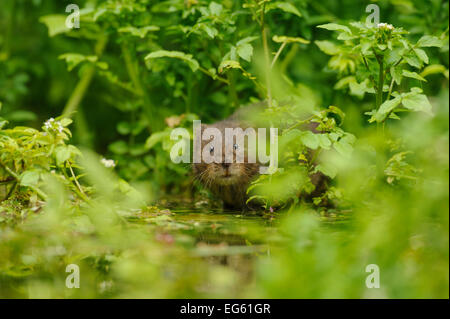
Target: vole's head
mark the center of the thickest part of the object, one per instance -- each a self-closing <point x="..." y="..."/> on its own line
<point x="224" y="163"/>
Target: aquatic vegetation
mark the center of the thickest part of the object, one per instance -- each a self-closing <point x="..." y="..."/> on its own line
<point x="87" y="185"/>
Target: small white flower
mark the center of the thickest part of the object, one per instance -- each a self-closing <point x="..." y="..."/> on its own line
<point x="108" y="162"/>
<point x="106" y="286"/>
<point x="52" y="124"/>
<point x="385" y="26"/>
<point x="48" y="123"/>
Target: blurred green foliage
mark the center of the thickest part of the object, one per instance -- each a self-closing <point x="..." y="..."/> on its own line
<point x="137" y="68"/>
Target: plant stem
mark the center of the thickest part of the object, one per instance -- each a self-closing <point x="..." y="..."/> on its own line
<point x="80" y="90"/>
<point x="79" y="191"/>
<point x="387" y="99"/>
<point x="75" y="179"/>
<point x="215" y="77"/>
<point x="278" y="54"/>
<point x="11" y="191"/>
<point x="266" y="57"/>
<point x="40" y="193"/>
<point x="288" y="58"/>
<point x="401" y="59"/>
<point x="10" y="28"/>
<point x="380" y="161"/>
<point x="189" y="93"/>
<point x="232" y="93"/>
<point x="391" y="86"/>
<point x="298" y="124"/>
<point x="133" y="72"/>
<point x="368" y="69"/>
<point x="379" y="97"/>
<point x="365" y="62"/>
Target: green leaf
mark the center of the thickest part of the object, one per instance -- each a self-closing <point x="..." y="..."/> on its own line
<point x="421" y="54"/>
<point x="246" y="40"/>
<point x="56" y="24"/>
<point x="434" y="69"/>
<point x="429" y="41"/>
<point x="333" y="136"/>
<point x="310" y="140"/>
<point x="73" y="59"/>
<point x="62" y="154"/>
<point x="284" y="6"/>
<point x="393" y="56"/>
<point x="344" y="36"/>
<point x="327" y="47"/>
<point x="138" y="32"/>
<point x="344" y="82"/>
<point x="229" y="64"/>
<point x="22" y="116"/>
<point x="416" y="102"/>
<point x="335" y="110"/>
<point x="324" y="141"/>
<point x="335" y="27"/>
<point x="413" y="75"/>
<point x="282" y="38"/>
<point x="29" y="178"/>
<point x="123" y="128"/>
<point x="211" y="31"/>
<point x="65" y="122"/>
<point x="394" y="116"/>
<point x="348" y="138"/>
<point x="366" y="47"/>
<point x="3" y="123"/>
<point x="155" y="138"/>
<point x="386" y="108"/>
<point x="360" y="89"/>
<point x="343" y="147"/>
<point x="326" y="169"/>
<point x="138" y="149"/>
<point x="396" y="73"/>
<point x="118" y="147"/>
<point x="193" y="64"/>
<point x="215" y="8"/>
<point x="413" y="61"/>
<point x="245" y="51"/>
<point x="290" y="138"/>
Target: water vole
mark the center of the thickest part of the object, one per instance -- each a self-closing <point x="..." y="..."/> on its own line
<point x="229" y="181"/>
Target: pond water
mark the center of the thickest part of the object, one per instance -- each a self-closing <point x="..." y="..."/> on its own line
<point x="230" y="238"/>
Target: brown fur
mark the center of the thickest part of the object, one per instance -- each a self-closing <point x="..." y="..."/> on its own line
<point x="230" y="182"/>
<point x="227" y="181"/>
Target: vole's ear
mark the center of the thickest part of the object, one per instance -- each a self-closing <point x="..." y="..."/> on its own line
<point x="245" y="124"/>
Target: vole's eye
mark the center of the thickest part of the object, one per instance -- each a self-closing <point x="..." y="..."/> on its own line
<point x="235" y="147"/>
<point x="211" y="149"/>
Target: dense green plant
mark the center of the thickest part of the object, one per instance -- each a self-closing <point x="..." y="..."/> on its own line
<point x="375" y="60"/>
<point x="28" y="154"/>
<point x="136" y="69"/>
